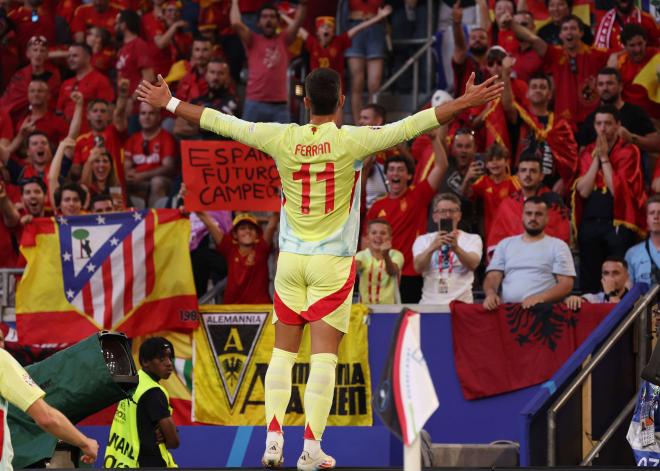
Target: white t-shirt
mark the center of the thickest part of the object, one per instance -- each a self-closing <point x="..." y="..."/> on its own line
<point x="375" y="187"/>
<point x="530" y="267"/>
<point x="456" y="278"/>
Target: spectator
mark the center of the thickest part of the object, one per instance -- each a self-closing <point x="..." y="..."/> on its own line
<point x="500" y="32"/>
<point x="527" y="61"/>
<point x="171" y="42"/>
<point x="614" y="284"/>
<point x="508" y="219"/>
<point x="33" y="201"/>
<point x="531" y="268"/>
<point x="636" y="127"/>
<point x="379" y="265"/>
<point x="557" y="10"/>
<point x="608" y="32"/>
<point x="404" y="207"/>
<point x="99" y="177"/>
<point x="194" y="84"/>
<point x="634" y="58"/>
<point x="14" y="99"/>
<point x="103" y="54"/>
<point x="219" y="96"/>
<point x="644" y="258"/>
<point x="573" y="65"/>
<point x="150" y="158"/>
<point x="374" y="185"/>
<point x="8" y="219"/>
<point x="463" y="161"/>
<point x="609" y="198"/>
<point x="246" y="252"/>
<point x="467" y="59"/>
<point x="206" y="262"/>
<point x="152" y="21"/>
<point x="9" y="54"/>
<point x="268" y="59"/>
<point x="146" y="416"/>
<point x="133" y="63"/>
<point x="448" y="257"/>
<point x="97" y="13"/>
<point x="102" y="203"/>
<point x="88" y="81"/>
<point x="31" y="19"/>
<point x="70" y="199"/>
<point x="366" y="55"/>
<point x="39" y="156"/>
<point x="492" y="188"/>
<point x="106" y="131"/>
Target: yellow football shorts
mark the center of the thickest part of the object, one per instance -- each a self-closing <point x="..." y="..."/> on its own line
<point x="313" y="287"/>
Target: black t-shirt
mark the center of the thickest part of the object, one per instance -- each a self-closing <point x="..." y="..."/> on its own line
<point x="598" y="206"/>
<point x="151" y="408"/>
<point x="632" y="117"/>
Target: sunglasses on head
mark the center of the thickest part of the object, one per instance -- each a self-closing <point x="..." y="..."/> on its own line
<point x="37" y="39"/>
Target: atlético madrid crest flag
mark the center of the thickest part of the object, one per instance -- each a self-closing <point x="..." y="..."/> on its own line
<point x="128" y="272"/>
<point x="405" y="398"/>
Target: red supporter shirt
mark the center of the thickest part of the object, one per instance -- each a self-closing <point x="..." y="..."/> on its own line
<point x="492" y="194"/>
<point x="113" y="140"/>
<point x="158" y="148"/>
<point x="132" y="59"/>
<point x="151" y="26"/>
<point x="104" y="60"/>
<point x="570" y="101"/>
<point x="8" y="239"/>
<point x="251" y="6"/>
<point x="633" y="92"/>
<point x="462" y="74"/>
<point x="247" y="278"/>
<point x="332" y="56"/>
<point x="25" y="28"/>
<point x="6" y="128"/>
<point x="87" y="16"/>
<point x="94" y="85"/>
<point x="178" y="49"/>
<point x="507" y="39"/>
<point x="9" y="62"/>
<point x="368" y="7"/>
<point x="50" y="124"/>
<point x="215" y="16"/>
<point x="527" y="64"/>
<point x="647" y="22"/>
<point x="14" y="99"/>
<point x="66" y="9"/>
<point x="407" y="215"/>
<point x="268" y="59"/>
<point x="191" y="86"/>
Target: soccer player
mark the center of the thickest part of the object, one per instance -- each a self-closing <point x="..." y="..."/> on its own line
<point x="320" y="166"/>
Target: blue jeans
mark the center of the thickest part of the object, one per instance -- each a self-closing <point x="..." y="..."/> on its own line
<point x="263" y="112"/>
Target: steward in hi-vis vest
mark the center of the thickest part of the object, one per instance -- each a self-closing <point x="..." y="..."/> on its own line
<point x="143" y="429"/>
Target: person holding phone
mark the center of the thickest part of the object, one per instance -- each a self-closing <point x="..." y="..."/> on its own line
<point x="447" y="258"/>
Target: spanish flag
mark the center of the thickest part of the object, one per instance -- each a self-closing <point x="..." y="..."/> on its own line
<point x="648" y="78"/>
<point x="128" y="272"/>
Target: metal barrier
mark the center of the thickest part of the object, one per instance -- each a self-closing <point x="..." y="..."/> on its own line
<point x="641" y="314"/>
<point x="297" y="68"/>
<point x="8" y="293"/>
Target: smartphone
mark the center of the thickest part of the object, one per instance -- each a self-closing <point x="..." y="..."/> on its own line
<point x="99" y="141"/>
<point x="446" y="225"/>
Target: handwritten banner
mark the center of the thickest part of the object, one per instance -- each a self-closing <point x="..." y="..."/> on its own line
<point x="229" y="175"/>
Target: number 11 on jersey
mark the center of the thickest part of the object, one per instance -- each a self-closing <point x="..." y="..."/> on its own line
<point x="327" y="175"/>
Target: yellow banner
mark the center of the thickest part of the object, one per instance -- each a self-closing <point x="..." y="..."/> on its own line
<point x="232" y="347"/>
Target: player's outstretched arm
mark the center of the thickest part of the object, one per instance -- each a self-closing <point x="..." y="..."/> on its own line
<point x="475" y="95"/>
<point x="159" y="96"/>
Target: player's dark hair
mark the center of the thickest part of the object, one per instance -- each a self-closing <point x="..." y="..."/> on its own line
<point x="155" y="347"/>
<point x="131" y="19"/>
<point x="322" y="88"/>
<point x="82" y="194"/>
<point x="632" y="30"/>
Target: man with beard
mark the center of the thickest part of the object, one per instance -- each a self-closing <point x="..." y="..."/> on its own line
<point x="87" y="80"/>
<point x="507" y="222"/>
<point x="268" y="60"/>
<point x="133" y="61"/>
<point x="636" y="56"/>
<point x="608" y="198"/>
<point x="194" y="83"/>
<point x="103" y="133"/>
<point x="573" y="66"/>
<point x="636" y="126"/>
<point x="470" y="59"/>
<point x="608" y="32"/>
<point x="150" y="158"/>
<point x="39" y="157"/>
<point x="531" y="268"/>
<point x="219" y="96"/>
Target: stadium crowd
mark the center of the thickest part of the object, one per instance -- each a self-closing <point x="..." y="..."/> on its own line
<point x="565" y="160"/>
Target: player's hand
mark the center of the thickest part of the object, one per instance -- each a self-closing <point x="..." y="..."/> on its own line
<point x="491" y="302"/>
<point x="156" y="95"/>
<point x="477" y="95"/>
<point x="574" y="303"/>
<point x="457" y="13"/>
<point x="531" y="301"/>
<point x="90" y="450"/>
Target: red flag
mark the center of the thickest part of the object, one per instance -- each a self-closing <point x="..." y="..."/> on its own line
<point x="512" y="348"/>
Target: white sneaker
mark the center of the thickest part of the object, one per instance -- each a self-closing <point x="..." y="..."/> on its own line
<point x="273" y="455"/>
<point x="309" y="462"/>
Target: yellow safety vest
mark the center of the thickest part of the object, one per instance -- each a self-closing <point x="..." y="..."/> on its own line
<point x="124" y="444"/>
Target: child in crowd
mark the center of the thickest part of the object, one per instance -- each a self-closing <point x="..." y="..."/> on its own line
<point x="379" y="265"/>
<point x="246" y="252"/>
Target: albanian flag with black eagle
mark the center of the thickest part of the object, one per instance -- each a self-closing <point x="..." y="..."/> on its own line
<point x="512" y="348"/>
